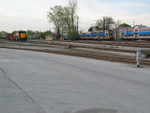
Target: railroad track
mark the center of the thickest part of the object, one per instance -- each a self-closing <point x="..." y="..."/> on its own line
<point x="137" y="44"/>
<point x="59" y="48"/>
<point x="112" y="58"/>
<point x="143" y="44"/>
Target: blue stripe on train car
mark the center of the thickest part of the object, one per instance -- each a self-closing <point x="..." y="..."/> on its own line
<point x="94" y="34"/>
<point x="129" y="33"/>
<point x="146" y="32"/>
<point x="100" y="34"/>
<point x="65" y="35"/>
<point x="88" y="34"/>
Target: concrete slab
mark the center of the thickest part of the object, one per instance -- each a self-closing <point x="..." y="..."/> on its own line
<point x="41" y="82"/>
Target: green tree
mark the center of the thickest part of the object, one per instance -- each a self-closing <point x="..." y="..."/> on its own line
<point x="64" y="19"/>
<point x="55" y="16"/>
<point x="3" y="34"/>
<point x="125" y="25"/>
<point x="30" y="32"/>
<point x="94" y="28"/>
<point x="45" y="33"/>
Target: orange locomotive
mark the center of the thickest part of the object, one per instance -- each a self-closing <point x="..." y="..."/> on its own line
<point x="17" y="35"/>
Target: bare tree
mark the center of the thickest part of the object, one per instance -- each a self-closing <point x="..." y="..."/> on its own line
<point x="105" y="23"/>
<point x="73" y="8"/>
<point x="66" y="20"/>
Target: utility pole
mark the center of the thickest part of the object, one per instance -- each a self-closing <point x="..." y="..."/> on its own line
<point x="118" y="30"/>
<point x="77" y="27"/>
<point x="104" y="27"/>
<point x="116" y="35"/>
<point x="133" y="23"/>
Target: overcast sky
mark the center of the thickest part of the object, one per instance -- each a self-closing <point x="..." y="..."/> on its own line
<point x="32" y="14"/>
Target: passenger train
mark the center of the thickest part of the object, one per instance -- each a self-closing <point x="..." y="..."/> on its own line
<point x="137" y="33"/>
<point x="99" y="35"/>
<point x="94" y="35"/>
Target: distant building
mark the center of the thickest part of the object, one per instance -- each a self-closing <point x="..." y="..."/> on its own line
<point x="140" y="26"/>
<point x="49" y="37"/>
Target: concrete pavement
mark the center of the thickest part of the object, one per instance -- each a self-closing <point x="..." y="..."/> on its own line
<point x="34" y="82"/>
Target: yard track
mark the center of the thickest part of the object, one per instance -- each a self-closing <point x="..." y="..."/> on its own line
<point x="94" y="50"/>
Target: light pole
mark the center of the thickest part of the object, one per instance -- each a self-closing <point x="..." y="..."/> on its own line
<point x="77" y="27"/>
<point x="104" y="27"/>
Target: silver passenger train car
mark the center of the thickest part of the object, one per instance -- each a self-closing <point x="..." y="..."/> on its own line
<point x="137" y="33"/>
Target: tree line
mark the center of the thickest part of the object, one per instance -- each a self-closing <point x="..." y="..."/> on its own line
<point x="3" y="34"/>
<point x="107" y="23"/>
<point x="38" y="34"/>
